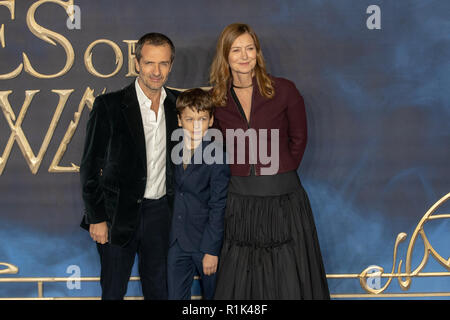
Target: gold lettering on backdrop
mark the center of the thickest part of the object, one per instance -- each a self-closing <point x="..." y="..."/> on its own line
<point x="17" y="133"/>
<point x="428" y="251"/>
<point x="131" y="65"/>
<point x="15" y="123"/>
<point x="10" y="4"/>
<point x="9" y="268"/>
<point x="88" y="58"/>
<point x="2" y="35"/>
<point x="87" y="100"/>
<point x="49" y="37"/>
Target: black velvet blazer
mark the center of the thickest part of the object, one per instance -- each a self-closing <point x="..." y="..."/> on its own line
<point x="113" y="168"/>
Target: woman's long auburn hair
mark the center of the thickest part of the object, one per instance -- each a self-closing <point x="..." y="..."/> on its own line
<point x="220" y="73"/>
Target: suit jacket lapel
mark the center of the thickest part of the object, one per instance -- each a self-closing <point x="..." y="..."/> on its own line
<point x="192" y="166"/>
<point x="170" y="113"/>
<point x="186" y="172"/>
<point x="132" y="113"/>
<point x="171" y="119"/>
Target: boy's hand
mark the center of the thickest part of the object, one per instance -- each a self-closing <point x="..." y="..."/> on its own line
<point x="209" y="264"/>
<point x="99" y="232"/>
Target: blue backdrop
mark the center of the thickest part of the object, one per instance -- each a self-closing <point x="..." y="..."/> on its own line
<point x="378" y="123"/>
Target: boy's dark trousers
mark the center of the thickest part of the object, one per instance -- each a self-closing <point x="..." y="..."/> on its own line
<point x="182" y="266"/>
<point x="150" y="242"/>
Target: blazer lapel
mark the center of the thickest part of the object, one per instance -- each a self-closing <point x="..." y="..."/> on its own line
<point x="192" y="166"/>
<point x="132" y="114"/>
<point x="170" y="113"/>
<point x="186" y="172"/>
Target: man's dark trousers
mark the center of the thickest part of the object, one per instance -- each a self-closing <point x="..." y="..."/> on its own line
<point x="150" y="242"/>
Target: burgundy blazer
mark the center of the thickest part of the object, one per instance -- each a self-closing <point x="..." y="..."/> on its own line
<point x="285" y="112"/>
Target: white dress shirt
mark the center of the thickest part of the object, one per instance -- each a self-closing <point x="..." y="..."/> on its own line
<point x="155" y="144"/>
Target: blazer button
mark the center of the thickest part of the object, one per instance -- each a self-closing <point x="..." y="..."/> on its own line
<point x="144" y="178"/>
<point x="139" y="200"/>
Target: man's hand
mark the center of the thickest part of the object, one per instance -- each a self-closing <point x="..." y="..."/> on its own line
<point x="99" y="232"/>
<point x="209" y="264"/>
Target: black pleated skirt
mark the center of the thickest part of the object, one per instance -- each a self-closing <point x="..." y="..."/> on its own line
<point x="270" y="249"/>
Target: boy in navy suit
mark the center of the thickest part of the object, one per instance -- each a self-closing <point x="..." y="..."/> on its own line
<point x="200" y="198"/>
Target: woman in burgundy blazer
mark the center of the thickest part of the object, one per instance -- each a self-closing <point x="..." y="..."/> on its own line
<point x="270" y="248"/>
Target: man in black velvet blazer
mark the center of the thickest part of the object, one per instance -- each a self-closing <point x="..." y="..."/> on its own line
<point x="127" y="173"/>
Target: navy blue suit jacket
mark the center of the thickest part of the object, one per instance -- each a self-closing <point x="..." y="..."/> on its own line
<point x="199" y="205"/>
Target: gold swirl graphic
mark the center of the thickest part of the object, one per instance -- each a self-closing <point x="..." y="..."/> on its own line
<point x="10" y="268"/>
<point x="408" y="274"/>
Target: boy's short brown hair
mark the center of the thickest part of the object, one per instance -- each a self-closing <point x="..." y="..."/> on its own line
<point x="196" y="99"/>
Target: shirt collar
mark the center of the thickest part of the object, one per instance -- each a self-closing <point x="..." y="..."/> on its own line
<point x="144" y="101"/>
